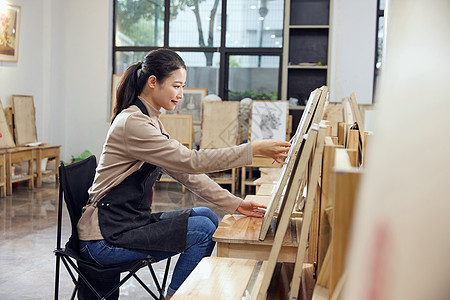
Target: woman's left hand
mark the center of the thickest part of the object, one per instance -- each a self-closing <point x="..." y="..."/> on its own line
<point x="251" y="209"/>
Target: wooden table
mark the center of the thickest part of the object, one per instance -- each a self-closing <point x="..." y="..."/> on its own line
<point x="3" y="174"/>
<point x="15" y="155"/>
<point x="47" y="151"/>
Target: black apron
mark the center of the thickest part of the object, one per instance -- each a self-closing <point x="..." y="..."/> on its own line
<point x="125" y="215"/>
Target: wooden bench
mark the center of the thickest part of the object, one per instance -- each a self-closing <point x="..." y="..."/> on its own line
<point x="237" y="236"/>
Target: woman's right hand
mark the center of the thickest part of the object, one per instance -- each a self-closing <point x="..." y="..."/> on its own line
<point x="278" y="150"/>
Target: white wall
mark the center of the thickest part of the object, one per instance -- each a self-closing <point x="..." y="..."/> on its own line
<point x="64" y="62"/>
<point x="352" y="49"/>
<point x="87" y="74"/>
<point x="25" y="77"/>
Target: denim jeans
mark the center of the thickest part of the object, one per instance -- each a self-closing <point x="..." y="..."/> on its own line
<point x="202" y="223"/>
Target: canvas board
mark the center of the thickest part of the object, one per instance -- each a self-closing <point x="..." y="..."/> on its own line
<point x="220" y="124"/>
<point x="6" y="138"/>
<point x="268" y="120"/>
<point x="24" y="120"/>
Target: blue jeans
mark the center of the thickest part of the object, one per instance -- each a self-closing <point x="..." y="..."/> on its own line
<point x="202" y="223"/>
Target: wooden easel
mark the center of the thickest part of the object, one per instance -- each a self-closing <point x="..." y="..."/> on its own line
<point x="220" y="128"/>
<point x="180" y="128"/>
<point x="313" y="112"/>
<point x="241" y="237"/>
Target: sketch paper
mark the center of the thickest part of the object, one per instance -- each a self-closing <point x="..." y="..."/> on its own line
<point x="268" y="120"/>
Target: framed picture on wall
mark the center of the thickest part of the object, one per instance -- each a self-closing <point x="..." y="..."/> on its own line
<point x="9" y="31"/>
<point x="191" y="104"/>
<point x="114" y="83"/>
<point x="268" y="120"/>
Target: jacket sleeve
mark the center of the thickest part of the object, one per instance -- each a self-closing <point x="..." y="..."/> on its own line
<point x="145" y="142"/>
<point x="208" y="189"/>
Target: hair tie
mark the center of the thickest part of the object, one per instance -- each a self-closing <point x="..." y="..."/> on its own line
<point x="139" y="69"/>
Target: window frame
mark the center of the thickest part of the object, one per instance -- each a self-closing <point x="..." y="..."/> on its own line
<point x="223" y="51"/>
<point x="380" y="14"/>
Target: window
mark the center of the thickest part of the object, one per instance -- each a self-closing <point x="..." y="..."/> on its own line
<point x="229" y="47"/>
<point x="380" y="33"/>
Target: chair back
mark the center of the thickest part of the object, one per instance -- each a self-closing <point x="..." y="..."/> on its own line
<point x="75" y="180"/>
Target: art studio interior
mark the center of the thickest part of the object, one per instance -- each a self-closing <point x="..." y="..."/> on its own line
<point x="224" y="149"/>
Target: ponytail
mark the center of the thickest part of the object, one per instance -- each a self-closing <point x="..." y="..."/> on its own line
<point x="128" y="88"/>
<point x="160" y="63"/>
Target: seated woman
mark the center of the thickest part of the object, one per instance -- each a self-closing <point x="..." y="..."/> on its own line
<point x="117" y="224"/>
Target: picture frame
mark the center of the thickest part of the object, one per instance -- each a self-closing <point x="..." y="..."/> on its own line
<point x="268" y="120"/>
<point x="114" y="83"/>
<point x="191" y="104"/>
<point x="9" y="31"/>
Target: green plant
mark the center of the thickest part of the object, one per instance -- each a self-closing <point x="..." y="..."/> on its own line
<point x="238" y="95"/>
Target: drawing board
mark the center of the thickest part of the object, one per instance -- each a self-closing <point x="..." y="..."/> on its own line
<point x="303" y="126"/>
<point x="6" y="138"/>
<point x="220" y="124"/>
<point x="24" y="119"/>
<point x="268" y="120"/>
<point x="191" y="104"/>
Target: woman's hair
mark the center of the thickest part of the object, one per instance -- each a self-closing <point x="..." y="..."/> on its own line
<point x="160" y="63"/>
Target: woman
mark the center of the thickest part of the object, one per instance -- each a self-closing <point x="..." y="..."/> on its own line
<point x="117" y="224"/>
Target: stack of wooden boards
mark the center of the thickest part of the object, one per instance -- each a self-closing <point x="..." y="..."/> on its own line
<point x="314" y="240"/>
<point x="18" y="143"/>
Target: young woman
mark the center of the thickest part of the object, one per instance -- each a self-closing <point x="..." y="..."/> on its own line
<point x="117" y="224"/>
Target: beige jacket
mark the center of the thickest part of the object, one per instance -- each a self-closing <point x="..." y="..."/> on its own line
<point x="135" y="138"/>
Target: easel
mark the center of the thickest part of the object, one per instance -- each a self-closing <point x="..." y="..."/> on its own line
<point x="180" y="128"/>
<point x="241" y="237"/>
<point x="220" y="128"/>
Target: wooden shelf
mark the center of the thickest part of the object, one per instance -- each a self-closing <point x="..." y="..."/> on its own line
<point x="307" y="67"/>
<point x="309" y="26"/>
<point x="307" y="39"/>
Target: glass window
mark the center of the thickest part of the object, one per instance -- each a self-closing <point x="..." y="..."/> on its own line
<point x="253" y="42"/>
<point x="126" y="58"/>
<point x="380" y="37"/>
<point x="195" y="23"/>
<point x="199" y="73"/>
<point x="139" y="23"/>
<point x="255" y="23"/>
<point x="253" y="76"/>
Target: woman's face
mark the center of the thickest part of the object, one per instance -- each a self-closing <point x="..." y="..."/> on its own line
<point x="166" y="94"/>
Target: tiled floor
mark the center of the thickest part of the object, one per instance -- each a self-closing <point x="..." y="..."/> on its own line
<point x="28" y="236"/>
